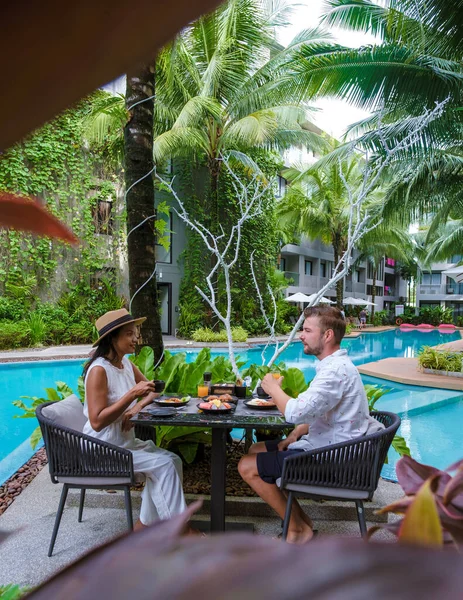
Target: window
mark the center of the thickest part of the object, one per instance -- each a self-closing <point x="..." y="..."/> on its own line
<point x="322" y="269"/>
<point x="102" y="217"/>
<point x="280" y="187"/>
<point x="357" y="276"/>
<point x="379" y="290"/>
<point x="456" y="258"/>
<point x="431" y="279"/>
<point x="308" y="267"/>
<point x="282" y="264"/>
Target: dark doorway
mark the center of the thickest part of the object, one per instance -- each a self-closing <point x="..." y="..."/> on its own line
<point x="165" y="302"/>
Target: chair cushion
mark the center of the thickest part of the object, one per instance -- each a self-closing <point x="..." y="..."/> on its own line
<point x="68" y="413"/>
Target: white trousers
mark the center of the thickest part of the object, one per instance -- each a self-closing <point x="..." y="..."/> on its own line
<point x="163" y="494"/>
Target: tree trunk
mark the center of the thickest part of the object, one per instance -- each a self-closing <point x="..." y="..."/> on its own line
<point x="141" y="244"/>
<point x="373" y="293"/>
<point x="339" y="284"/>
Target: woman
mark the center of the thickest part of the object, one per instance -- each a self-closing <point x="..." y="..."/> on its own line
<point x="112" y="387"/>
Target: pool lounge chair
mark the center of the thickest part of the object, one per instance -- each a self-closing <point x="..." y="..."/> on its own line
<point x="83" y="462"/>
<point x="346" y="472"/>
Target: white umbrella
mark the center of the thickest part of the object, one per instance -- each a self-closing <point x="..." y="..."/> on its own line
<point x="321" y="300"/>
<point x="368" y="303"/>
<point x="354" y="301"/>
<point x="299" y="297"/>
<point x="456" y="273"/>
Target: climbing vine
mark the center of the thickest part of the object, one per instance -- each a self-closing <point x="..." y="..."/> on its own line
<point x="55" y="165"/>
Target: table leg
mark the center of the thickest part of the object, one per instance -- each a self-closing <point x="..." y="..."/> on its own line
<point x="218" y="477"/>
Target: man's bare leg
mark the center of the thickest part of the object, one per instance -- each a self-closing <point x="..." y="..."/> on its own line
<point x="299" y="531"/>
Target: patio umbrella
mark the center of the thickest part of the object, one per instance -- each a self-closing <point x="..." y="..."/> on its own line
<point x="368" y="303"/>
<point x="321" y="300"/>
<point x="456" y="273"/>
<point x="298" y="297"/>
<point x="354" y="301"/>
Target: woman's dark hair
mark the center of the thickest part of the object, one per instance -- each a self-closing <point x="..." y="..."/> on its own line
<point x="104" y="349"/>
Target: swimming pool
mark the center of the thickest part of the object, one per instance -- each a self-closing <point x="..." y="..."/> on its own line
<point x="431" y="417"/>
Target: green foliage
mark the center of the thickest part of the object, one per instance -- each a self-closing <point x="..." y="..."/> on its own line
<point x="184" y="440"/>
<point x="380" y="318"/>
<point x="14" y="335"/>
<point x="205" y="334"/>
<point x="28" y="404"/>
<point x="12" y="591"/>
<point x="36" y="328"/>
<point x="54" y="164"/>
<point x="440" y="360"/>
<point x="349" y="328"/>
<point x="12" y="309"/>
<point x="374" y="393"/>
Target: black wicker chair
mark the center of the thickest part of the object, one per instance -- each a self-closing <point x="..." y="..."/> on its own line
<point x="83" y="462"/>
<point x="346" y="472"/>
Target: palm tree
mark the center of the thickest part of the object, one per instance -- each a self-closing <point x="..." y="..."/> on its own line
<point x="383" y="240"/>
<point x="317" y="204"/>
<point x="138" y="143"/>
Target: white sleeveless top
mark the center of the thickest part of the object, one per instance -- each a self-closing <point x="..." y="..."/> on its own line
<point x="120" y="381"/>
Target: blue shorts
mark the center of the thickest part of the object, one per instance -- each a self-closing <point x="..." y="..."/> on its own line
<point x="270" y="463"/>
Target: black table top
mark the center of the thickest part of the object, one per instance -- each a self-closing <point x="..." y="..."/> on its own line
<point x="240" y="417"/>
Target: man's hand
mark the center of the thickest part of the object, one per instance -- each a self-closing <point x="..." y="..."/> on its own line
<point x="295" y="434"/>
<point x="270" y="384"/>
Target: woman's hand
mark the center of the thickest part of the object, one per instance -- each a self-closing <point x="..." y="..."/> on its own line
<point x="126" y="425"/>
<point x="142" y="388"/>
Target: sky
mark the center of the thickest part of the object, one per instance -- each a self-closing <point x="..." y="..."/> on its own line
<point x="333" y="116"/>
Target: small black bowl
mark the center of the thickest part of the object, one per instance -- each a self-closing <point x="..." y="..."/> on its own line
<point x="261" y="393"/>
<point x="159" y="385"/>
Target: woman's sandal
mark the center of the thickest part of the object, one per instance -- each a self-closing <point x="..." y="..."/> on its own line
<point x="280" y="535"/>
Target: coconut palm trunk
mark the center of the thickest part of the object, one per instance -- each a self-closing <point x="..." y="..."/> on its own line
<point x="138" y="142"/>
<point x="373" y="293"/>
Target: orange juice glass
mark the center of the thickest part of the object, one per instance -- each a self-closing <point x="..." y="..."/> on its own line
<point x="276" y="375"/>
<point x="203" y="390"/>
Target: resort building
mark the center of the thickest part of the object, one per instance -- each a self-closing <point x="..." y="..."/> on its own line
<point x="435" y="288"/>
<point x="309" y="265"/>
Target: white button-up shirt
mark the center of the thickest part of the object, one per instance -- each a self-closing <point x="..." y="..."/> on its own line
<point x="335" y="405"/>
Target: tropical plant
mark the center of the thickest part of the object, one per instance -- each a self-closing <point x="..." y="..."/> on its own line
<point x="37" y="328"/>
<point x="317" y="203"/>
<point x="12" y="591"/>
<point x="61" y="392"/>
<point x="439" y="360"/>
<point x="205" y="334"/>
<point x="374" y="393"/>
<point x="432" y="506"/>
<point x="415" y="65"/>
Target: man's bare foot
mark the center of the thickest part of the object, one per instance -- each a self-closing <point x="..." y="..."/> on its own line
<point x="300" y="536"/>
<point x="193" y="531"/>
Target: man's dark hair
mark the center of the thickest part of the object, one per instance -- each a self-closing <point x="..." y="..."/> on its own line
<point x="330" y="318"/>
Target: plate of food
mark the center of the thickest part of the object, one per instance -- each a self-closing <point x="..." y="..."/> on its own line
<point x="260" y="403"/>
<point x="214" y="406"/>
<point x="172" y="400"/>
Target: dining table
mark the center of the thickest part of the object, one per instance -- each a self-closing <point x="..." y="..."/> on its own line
<point x="241" y="416"/>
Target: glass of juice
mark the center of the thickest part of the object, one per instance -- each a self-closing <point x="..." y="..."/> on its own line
<point x="203" y="390"/>
<point x="276" y="375"/>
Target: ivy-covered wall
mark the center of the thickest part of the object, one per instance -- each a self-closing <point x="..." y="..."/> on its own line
<point x="55" y="165"/>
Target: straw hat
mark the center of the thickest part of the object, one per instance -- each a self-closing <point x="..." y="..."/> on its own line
<point x="113" y="320"/>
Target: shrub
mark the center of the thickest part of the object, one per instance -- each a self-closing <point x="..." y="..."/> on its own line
<point x="460" y="321"/>
<point x="441" y="360"/>
<point x="380" y="318"/>
<point x="80" y="333"/>
<point x="14" y="335"/>
<point x="204" y="334"/>
<point x="36" y="328"/>
<point x="12" y="309"/>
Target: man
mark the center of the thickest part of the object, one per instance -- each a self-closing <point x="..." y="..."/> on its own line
<point x="333" y="409"/>
<point x="363" y="317"/>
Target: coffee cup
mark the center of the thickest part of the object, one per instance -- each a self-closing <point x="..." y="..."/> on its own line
<point x="159" y="385"/>
<point x="261" y="393"/>
<point x="240" y="391"/>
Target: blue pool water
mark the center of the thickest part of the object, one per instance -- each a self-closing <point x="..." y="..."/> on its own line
<point x="431" y="417"/>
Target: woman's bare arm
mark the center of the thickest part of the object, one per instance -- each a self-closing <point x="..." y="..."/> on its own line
<point x="100" y="414"/>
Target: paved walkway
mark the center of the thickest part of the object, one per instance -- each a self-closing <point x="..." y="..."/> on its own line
<point x="31" y="516"/>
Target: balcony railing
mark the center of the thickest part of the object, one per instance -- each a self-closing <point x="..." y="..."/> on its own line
<point x="293" y="276"/>
<point x="446" y="290"/>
